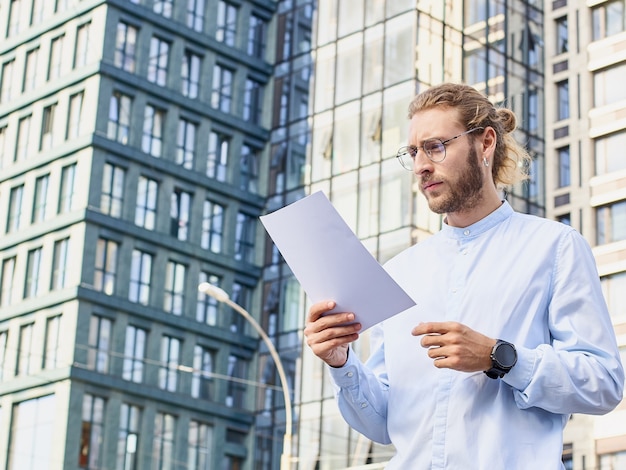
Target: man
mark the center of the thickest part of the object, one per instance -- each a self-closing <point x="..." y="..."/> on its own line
<point x="510" y="333"/>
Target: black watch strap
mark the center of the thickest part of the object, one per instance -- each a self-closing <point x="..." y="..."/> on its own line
<point x="503" y="358"/>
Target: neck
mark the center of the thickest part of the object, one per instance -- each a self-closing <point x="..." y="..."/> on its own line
<point x="465" y="218"/>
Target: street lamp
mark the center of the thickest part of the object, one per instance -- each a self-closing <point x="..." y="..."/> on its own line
<point x="221" y="296"/>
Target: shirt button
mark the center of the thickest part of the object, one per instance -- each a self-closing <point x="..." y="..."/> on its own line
<point x="466" y="232"/>
<point x="350" y="374"/>
<point x="464" y="252"/>
<point x="363" y="405"/>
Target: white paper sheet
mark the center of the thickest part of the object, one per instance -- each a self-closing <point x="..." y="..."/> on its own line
<point x="331" y="263"/>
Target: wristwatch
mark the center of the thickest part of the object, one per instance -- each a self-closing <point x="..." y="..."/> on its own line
<point x="503" y="358"/>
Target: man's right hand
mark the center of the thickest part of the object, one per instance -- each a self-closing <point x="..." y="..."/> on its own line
<point x="329" y="336"/>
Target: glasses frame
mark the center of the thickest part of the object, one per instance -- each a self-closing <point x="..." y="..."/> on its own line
<point x="412" y="150"/>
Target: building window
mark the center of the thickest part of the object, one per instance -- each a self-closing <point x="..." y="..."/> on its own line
<point x="236" y="389"/>
<point x="222" y="92"/>
<point x="612" y="461"/>
<point x="163" y="444"/>
<point x="41" y="199"/>
<point x="608" y="153"/>
<point x="105" y="267"/>
<point x="174" y="295"/>
<point x="608" y="18"/>
<point x="60" y="264"/>
<point x="185" y="143"/>
<point x="23" y="139"/>
<point x="562" y="89"/>
<point x="92" y="432"/>
<point x="226" y="23"/>
<point x="190" y="74"/>
<point x="212" y="226"/>
<point x="179" y="214"/>
<point x="607" y="85"/>
<point x="134" y="354"/>
<point x="145" y="210"/>
<point x="60" y="5"/>
<point x="567" y="457"/>
<point x="47" y="128"/>
<point x="152" y="140"/>
<point x="4" y="336"/>
<point x="3" y="154"/>
<point x="119" y="117"/>
<point x="564" y="167"/>
<point x="207" y="307"/>
<point x="82" y="45"/>
<point x="217" y="158"/>
<point x="126" y="47"/>
<point x="611" y="223"/>
<point x="614" y="289"/>
<point x="99" y="344"/>
<point x="7" y="281"/>
<point x="257" y="37"/>
<point x="14" y="217"/>
<point x="164" y="7"/>
<point x="28" y="448"/>
<point x="112" y="195"/>
<point x="202" y="376"/>
<point x="140" y="273"/>
<point x="74" y="116"/>
<point x="157" y="62"/>
<point x="249" y="169"/>
<point x="30" y="71"/>
<point x="25" y="364"/>
<point x="170" y="360"/>
<point x="241" y="295"/>
<point x="195" y="14"/>
<point x="128" y="437"/>
<point x="67" y="193"/>
<point x="244" y="238"/>
<point x="37" y="13"/>
<point x="56" y="57"/>
<point x="15" y="16"/>
<point x="32" y="286"/>
<point x="6" y="85"/>
<point x="565" y="219"/>
<point x="200" y="443"/>
<point x="562" y="37"/>
<point x="252" y="101"/>
<point x="52" y="344"/>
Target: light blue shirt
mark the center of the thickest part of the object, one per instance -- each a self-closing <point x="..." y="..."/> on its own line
<point x="520" y="278"/>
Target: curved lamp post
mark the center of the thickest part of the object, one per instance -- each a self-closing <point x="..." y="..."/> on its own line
<point x="221" y="296"/>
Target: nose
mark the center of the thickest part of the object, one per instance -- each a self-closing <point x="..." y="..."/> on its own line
<point x="422" y="164"/>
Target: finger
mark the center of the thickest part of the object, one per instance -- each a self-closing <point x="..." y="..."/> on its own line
<point x="431" y="340"/>
<point x="432" y="328"/>
<point x="319" y="308"/>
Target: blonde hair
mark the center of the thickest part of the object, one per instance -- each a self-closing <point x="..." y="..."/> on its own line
<point x="511" y="161"/>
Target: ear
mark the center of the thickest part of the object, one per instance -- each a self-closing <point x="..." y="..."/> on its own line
<point x="488" y="143"/>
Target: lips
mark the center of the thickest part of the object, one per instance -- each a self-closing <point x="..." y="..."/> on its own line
<point x="430" y="185"/>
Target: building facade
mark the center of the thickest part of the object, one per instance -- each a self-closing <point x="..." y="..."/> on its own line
<point x="132" y="149"/>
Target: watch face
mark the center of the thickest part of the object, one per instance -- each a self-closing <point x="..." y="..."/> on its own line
<point x="505" y="354"/>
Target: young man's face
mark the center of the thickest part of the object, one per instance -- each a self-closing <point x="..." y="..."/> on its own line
<point x="456" y="183"/>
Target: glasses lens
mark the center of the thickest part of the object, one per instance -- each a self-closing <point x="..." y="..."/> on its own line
<point x="406" y="155"/>
<point x="435" y="149"/>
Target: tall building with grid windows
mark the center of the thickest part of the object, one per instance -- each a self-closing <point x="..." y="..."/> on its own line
<point x="133" y="144"/>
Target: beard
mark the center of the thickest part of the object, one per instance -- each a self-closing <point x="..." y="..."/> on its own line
<point x="465" y="193"/>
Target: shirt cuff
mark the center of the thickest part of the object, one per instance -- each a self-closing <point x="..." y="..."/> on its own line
<point x="520" y="375"/>
<point x="347" y="375"/>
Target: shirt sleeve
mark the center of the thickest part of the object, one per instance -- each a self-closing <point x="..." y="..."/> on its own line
<point x="361" y="391"/>
<point x="580" y="371"/>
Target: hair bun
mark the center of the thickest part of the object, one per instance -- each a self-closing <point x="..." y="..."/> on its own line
<point x="508" y="119"/>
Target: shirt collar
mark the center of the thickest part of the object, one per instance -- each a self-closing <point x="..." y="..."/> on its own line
<point x="487" y="223"/>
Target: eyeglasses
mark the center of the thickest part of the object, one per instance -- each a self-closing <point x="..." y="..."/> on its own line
<point x="435" y="150"/>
